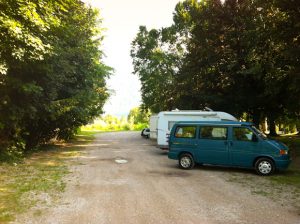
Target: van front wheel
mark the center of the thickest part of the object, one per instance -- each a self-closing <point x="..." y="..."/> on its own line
<point x="186" y="161"/>
<point x="264" y="166"/>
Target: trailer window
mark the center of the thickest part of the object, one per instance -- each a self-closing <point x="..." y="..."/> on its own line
<point x="215" y="133"/>
<point x="185" y="132"/>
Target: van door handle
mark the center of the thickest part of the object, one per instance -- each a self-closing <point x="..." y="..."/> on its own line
<point x="231" y="143"/>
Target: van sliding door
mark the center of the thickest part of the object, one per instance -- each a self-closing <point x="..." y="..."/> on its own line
<point x="243" y="148"/>
<point x="213" y="145"/>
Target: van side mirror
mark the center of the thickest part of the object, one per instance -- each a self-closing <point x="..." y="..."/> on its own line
<point x="254" y="138"/>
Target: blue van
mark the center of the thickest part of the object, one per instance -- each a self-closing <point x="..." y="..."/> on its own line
<point x="235" y="144"/>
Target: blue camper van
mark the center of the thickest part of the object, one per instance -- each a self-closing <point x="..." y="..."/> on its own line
<point x="234" y="144"/>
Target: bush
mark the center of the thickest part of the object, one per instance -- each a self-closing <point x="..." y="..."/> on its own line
<point x="112" y="123"/>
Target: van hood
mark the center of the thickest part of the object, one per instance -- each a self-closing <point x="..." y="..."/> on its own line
<point x="277" y="144"/>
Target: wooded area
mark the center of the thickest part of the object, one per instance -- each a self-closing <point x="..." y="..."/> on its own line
<point x="238" y="56"/>
<point x="52" y="79"/>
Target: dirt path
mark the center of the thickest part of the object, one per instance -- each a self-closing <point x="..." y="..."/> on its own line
<point x="150" y="188"/>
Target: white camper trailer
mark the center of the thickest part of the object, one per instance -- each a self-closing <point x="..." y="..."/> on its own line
<point x="166" y="120"/>
<point x="153" y="126"/>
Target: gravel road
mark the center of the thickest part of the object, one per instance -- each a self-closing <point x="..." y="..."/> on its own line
<point x="150" y="188"/>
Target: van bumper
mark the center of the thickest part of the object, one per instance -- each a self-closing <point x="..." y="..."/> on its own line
<point x="282" y="164"/>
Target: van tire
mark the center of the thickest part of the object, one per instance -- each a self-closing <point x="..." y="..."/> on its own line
<point x="264" y="166"/>
<point x="186" y="161"/>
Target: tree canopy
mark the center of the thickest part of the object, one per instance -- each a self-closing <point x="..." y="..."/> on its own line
<point x="52" y="79"/>
<point x="239" y="56"/>
<point x="137" y="115"/>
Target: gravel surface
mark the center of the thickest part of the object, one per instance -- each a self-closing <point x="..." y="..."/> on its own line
<point x="124" y="178"/>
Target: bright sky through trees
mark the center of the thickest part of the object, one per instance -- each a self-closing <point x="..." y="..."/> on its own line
<point x="122" y="20"/>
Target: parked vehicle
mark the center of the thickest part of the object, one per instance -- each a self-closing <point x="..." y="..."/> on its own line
<point x="145" y="132"/>
<point x="153" y="126"/>
<point x="166" y="119"/>
<point x="234" y="144"/>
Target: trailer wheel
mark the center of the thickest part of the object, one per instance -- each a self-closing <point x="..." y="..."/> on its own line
<point x="186" y="161"/>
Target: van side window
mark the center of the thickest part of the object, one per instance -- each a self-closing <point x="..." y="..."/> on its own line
<point x="215" y="133"/>
<point x="242" y="134"/>
<point x="185" y="132"/>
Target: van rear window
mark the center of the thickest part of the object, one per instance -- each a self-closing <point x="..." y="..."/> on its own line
<point x="185" y="132"/>
<point x="215" y="133"/>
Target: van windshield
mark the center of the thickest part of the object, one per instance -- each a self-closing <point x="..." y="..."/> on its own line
<point x="260" y="133"/>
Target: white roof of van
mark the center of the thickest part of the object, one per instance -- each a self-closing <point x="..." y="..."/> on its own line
<point x="222" y="115"/>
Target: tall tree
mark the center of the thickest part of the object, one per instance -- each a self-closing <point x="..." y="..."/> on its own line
<point x="288" y="32"/>
<point x="52" y="79"/>
<point x="240" y="56"/>
<point x="156" y="61"/>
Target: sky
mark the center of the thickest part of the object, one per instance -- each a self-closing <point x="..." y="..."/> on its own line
<point x="122" y="20"/>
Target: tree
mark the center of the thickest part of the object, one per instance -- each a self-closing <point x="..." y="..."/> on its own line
<point x="237" y="56"/>
<point x="137" y="115"/>
<point x="52" y="79"/>
<point x="155" y="61"/>
<point x="288" y="32"/>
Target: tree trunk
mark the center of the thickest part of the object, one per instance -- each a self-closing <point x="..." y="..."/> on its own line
<point x="256" y="118"/>
<point x="272" y="126"/>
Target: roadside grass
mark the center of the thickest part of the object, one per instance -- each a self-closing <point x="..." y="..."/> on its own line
<point x="101" y="126"/>
<point x="292" y="175"/>
<point x="282" y="187"/>
<point x="38" y="179"/>
<point x="86" y="135"/>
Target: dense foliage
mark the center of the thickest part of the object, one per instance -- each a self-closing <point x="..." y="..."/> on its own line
<point x="134" y="122"/>
<point x="51" y="78"/>
<point x="137" y="115"/>
<point x="239" y="56"/>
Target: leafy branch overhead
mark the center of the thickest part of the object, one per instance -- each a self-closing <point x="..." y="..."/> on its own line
<point x="237" y="56"/>
<point x="52" y="79"/>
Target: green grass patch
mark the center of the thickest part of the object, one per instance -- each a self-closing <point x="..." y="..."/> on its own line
<point x="290" y="178"/>
<point x="21" y="184"/>
<point x="33" y="181"/>
<point x="292" y="175"/>
<point x="260" y="192"/>
<point x="110" y="124"/>
<point x="86" y="135"/>
<point x="283" y="186"/>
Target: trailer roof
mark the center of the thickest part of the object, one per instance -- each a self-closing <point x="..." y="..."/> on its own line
<point x="190" y="112"/>
<point x="235" y="123"/>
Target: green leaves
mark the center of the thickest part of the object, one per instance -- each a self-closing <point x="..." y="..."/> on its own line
<point x="156" y="55"/>
<point x="137" y="115"/>
<point x="234" y="56"/>
<point x="21" y="28"/>
<point x="52" y="79"/>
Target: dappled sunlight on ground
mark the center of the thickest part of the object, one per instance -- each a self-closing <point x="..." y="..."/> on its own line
<point x="90" y="145"/>
<point x="72" y="153"/>
<point x="87" y="157"/>
<point x="3" y="189"/>
<point x="50" y="163"/>
<point x="23" y="184"/>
